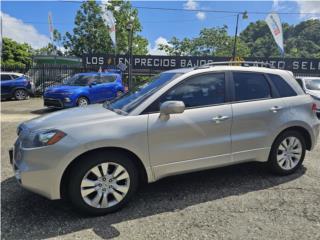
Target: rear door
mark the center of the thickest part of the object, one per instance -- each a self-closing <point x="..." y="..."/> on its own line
<point x="108" y="87"/>
<point x="257" y="113"/>
<point x="6" y="84"/>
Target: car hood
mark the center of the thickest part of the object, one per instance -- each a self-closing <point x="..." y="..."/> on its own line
<point x="63" y="119"/>
<point x="62" y="88"/>
<point x="314" y="93"/>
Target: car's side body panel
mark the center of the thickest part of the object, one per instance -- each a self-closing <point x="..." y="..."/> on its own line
<point x="8" y="87"/>
<point x="189" y="141"/>
<point x="95" y="93"/>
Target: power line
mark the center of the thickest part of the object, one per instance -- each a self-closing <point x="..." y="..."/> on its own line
<point x="208" y="10"/>
<point x="219" y="11"/>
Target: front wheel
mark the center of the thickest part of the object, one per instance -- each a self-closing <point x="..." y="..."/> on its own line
<point x="82" y="102"/>
<point x="287" y="153"/>
<point x="102" y="183"/>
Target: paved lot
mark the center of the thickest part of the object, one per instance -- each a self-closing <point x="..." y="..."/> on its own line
<point x="239" y="202"/>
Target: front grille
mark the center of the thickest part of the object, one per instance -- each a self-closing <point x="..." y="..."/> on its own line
<point x="50" y="102"/>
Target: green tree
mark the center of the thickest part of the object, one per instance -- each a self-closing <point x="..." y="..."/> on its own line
<point x="90" y="34"/>
<point x="301" y="40"/>
<point x="16" y="54"/>
<point x="211" y="42"/>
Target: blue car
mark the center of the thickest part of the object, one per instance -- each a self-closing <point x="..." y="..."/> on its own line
<point x="15" y="85"/>
<point x="83" y="89"/>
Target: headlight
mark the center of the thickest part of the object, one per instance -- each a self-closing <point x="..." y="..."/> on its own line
<point x="43" y="138"/>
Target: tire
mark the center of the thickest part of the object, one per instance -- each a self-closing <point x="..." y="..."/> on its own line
<point x="287" y="153"/>
<point x="82" y="102"/>
<point x="20" y="94"/>
<point x="119" y="93"/>
<point x="89" y="169"/>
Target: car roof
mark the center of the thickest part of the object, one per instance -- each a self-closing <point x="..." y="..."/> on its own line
<point x="309" y="78"/>
<point x="230" y="68"/>
<point x="10" y="73"/>
<point x="97" y="73"/>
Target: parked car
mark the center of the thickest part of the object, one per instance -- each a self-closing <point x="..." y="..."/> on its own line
<point x="311" y="85"/>
<point x="83" y="89"/>
<point x="184" y="120"/>
<point x="15" y="85"/>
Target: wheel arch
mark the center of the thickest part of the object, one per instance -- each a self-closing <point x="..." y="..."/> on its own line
<point x="143" y="176"/>
<point x="83" y="96"/>
<point x="303" y="131"/>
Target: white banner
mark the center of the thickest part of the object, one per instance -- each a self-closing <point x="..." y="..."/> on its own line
<point x="274" y="23"/>
<point x="109" y="20"/>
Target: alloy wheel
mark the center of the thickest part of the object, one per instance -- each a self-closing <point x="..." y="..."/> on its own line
<point x="289" y="153"/>
<point x="82" y="102"/>
<point x="105" y="185"/>
<point x="20" y="94"/>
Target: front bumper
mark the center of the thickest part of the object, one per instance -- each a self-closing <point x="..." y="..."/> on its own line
<point x="57" y="102"/>
<point x="40" y="169"/>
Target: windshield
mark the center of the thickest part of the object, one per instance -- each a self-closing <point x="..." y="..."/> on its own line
<point x="79" y="80"/>
<point x="313" y="84"/>
<point x="131" y="100"/>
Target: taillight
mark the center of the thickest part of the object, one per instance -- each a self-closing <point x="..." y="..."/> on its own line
<point x="314" y="107"/>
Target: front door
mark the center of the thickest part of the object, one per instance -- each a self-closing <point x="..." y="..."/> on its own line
<point x="198" y="138"/>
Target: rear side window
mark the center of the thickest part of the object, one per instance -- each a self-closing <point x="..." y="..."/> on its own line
<point x="5" y="77"/>
<point x="284" y="89"/>
<point x="250" y="86"/>
<point x="107" y="79"/>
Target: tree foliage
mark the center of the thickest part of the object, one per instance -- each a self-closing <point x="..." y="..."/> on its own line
<point x="90" y="34"/>
<point x="301" y="40"/>
<point x="211" y="42"/>
<point x="256" y="40"/>
<point x="16" y="54"/>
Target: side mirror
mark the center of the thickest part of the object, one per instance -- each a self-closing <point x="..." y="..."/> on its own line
<point x="92" y="84"/>
<point x="171" y="107"/>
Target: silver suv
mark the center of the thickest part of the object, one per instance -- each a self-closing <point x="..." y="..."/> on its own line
<point x="182" y="121"/>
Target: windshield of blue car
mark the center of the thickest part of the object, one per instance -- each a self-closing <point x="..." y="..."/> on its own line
<point x="129" y="101"/>
<point x="313" y="84"/>
<point x="79" y="80"/>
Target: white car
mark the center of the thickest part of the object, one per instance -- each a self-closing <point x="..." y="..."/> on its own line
<point x="311" y="85"/>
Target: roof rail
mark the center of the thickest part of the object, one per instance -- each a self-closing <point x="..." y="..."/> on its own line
<point x="232" y="63"/>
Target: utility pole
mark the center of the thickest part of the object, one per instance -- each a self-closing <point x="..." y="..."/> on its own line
<point x="130" y="38"/>
<point x="234" y="52"/>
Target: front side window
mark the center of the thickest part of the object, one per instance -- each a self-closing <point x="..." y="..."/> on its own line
<point x="284" y="89"/>
<point x="250" y="86"/>
<point x="80" y="80"/>
<point x="197" y="91"/>
<point x="107" y="79"/>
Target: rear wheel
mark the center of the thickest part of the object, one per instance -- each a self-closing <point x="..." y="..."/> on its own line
<point x="102" y="183"/>
<point x="119" y="93"/>
<point x="287" y="153"/>
<point x="82" y="102"/>
<point x="20" y="94"/>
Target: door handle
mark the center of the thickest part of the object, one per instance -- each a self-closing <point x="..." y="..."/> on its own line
<point x="275" y="109"/>
<point x="220" y="118"/>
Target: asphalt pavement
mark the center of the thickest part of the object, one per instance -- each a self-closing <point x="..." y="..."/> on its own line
<point x="238" y="202"/>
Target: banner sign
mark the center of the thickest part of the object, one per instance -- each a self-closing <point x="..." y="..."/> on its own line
<point x="274" y="23"/>
<point x="162" y="63"/>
